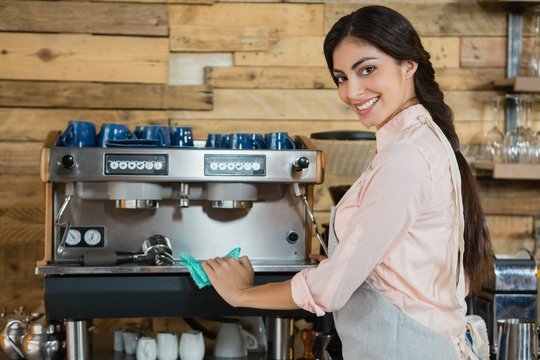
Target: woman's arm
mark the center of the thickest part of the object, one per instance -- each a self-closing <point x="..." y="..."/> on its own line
<point x="233" y="280"/>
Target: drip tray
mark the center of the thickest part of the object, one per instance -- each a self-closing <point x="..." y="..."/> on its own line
<point x="260" y="266"/>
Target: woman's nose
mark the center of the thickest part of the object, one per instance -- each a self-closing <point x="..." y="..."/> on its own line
<point x="355" y="89"/>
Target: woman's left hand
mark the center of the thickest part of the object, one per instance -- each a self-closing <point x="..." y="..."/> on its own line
<point x="229" y="277"/>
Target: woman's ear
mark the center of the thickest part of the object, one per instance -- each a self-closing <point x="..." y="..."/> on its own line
<point x="409" y="68"/>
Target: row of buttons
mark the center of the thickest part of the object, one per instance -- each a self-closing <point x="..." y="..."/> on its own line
<point x="255" y="166"/>
<point x="139" y="165"/>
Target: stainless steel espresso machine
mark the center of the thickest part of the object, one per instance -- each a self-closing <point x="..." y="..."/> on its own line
<point x="117" y="219"/>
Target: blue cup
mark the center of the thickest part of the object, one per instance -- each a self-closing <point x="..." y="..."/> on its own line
<point x="213" y="141"/>
<point x="258" y="141"/>
<point x="159" y="134"/>
<point x="225" y="141"/>
<point x="279" y="141"/>
<point x="113" y="132"/>
<point x="181" y="136"/>
<point x="78" y="134"/>
<point x="241" y="141"/>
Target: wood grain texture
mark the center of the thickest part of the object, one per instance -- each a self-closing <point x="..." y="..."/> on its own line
<point x="436" y="19"/>
<point x="307" y="51"/>
<point x="483" y="52"/>
<point x="510" y="197"/>
<point x="281" y="19"/>
<point x="24" y="191"/>
<point x="84" y="17"/>
<point x="298" y="77"/>
<point x="26" y="124"/>
<point x="220" y="38"/>
<point x="311" y="104"/>
<point x="19" y="158"/>
<point x="71" y="57"/>
<point x="81" y="95"/>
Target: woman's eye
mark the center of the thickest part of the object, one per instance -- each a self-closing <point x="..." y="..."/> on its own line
<point x="340" y="79"/>
<point x="367" y="70"/>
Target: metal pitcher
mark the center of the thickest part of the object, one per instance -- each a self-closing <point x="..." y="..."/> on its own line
<point x="10" y="339"/>
<point x="518" y="340"/>
<point x="44" y="342"/>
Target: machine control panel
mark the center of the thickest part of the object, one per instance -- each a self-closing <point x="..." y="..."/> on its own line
<point x="234" y="165"/>
<point x="136" y="164"/>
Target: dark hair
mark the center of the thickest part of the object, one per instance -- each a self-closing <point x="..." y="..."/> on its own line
<point x="393" y="34"/>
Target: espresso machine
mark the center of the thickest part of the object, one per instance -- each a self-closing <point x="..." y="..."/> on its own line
<point x="117" y="219"/>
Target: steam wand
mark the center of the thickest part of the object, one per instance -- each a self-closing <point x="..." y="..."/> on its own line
<point x="58" y="219"/>
<point x="301" y="192"/>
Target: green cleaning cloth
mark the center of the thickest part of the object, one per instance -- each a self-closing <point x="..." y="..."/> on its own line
<point x="195" y="268"/>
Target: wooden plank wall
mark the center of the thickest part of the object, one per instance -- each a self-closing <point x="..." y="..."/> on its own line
<point x="218" y="66"/>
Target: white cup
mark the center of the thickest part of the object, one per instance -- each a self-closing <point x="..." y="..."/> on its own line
<point x="232" y="341"/>
<point x="118" y="344"/>
<point x="130" y="337"/>
<point x="167" y="345"/>
<point x="146" y="349"/>
<point x="255" y="326"/>
<point x="191" y="345"/>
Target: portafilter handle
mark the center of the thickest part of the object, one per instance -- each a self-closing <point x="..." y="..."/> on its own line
<point x="111" y="258"/>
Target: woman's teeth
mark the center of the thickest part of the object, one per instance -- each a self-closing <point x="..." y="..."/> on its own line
<point x="368" y="104"/>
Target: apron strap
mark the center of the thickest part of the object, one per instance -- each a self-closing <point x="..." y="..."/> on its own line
<point x="458" y="243"/>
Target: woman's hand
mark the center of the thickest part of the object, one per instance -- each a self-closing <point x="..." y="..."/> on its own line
<point x="230" y="277"/>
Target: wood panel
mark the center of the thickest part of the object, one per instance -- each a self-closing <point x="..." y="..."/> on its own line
<point x="282" y="19"/>
<point x="104" y="95"/>
<point x="220" y="38"/>
<point x="308" y="51"/>
<point x="21" y="191"/>
<point x="307" y="104"/>
<point x="19" y="158"/>
<point x="187" y="68"/>
<point x="433" y="19"/>
<point x="84" y="17"/>
<point x="35" y="124"/>
<point x="298" y="77"/>
<point x="83" y="58"/>
<point x="510" y="197"/>
<point x="483" y="52"/>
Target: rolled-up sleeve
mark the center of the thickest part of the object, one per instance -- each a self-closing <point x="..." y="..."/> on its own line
<point x="375" y="214"/>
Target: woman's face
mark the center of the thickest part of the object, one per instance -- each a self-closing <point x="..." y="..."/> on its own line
<point x="372" y="83"/>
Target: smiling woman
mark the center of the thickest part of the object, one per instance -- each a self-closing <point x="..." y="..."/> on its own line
<point x="401" y="256"/>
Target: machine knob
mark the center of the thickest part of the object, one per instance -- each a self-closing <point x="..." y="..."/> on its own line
<point x="300" y="163"/>
<point x="68" y="161"/>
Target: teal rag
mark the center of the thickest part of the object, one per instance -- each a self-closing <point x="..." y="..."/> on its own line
<point x="195" y="268"/>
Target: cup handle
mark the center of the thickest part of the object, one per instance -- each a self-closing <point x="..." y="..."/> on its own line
<point x="259" y="144"/>
<point x="291" y="141"/>
<point x="250" y="340"/>
<point x="66" y="136"/>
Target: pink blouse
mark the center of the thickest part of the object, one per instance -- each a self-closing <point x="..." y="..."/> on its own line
<point x="394" y="228"/>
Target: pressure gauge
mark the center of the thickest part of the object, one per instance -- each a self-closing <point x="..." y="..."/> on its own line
<point x="73" y="237"/>
<point x="92" y="237"/>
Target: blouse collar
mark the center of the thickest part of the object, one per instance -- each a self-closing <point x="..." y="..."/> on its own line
<point x="393" y="128"/>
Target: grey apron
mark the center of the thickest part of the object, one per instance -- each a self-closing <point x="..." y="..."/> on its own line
<point x="370" y="327"/>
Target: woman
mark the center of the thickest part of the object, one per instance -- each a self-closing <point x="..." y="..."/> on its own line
<point x="403" y="257"/>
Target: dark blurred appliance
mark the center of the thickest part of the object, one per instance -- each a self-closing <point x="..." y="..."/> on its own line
<point x="511" y="295"/>
<point x="114" y="214"/>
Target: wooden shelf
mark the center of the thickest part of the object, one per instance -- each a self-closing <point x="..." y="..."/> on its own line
<point x="508" y="171"/>
<point x="528" y="84"/>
